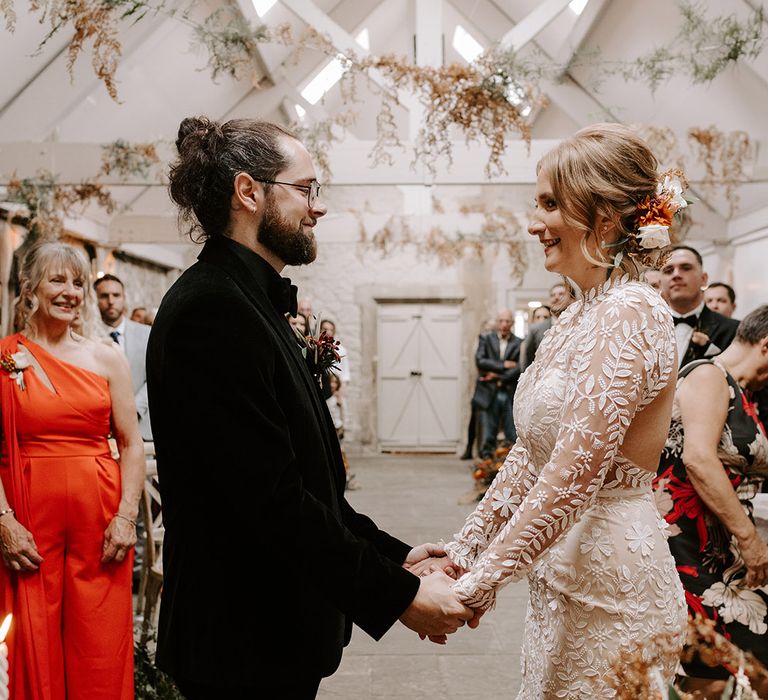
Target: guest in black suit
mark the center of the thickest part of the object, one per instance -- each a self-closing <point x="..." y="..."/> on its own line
<point x="700" y="331"/>
<point x="497" y="360"/>
<point x="559" y="298"/>
<point x="251" y="474"/>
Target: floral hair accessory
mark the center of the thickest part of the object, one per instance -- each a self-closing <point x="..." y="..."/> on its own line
<point x="655" y="214"/>
<point x="15" y="364"/>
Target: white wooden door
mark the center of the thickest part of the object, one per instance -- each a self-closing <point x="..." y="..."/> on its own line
<point x="419" y="368"/>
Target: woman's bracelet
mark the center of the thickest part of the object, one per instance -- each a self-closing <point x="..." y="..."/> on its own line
<point x="5" y="511"/>
<point x="125" y="517"/>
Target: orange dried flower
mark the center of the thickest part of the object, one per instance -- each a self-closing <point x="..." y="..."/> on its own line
<point x="654" y="210"/>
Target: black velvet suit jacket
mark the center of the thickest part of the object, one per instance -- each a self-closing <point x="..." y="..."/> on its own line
<point x="488" y="359"/>
<point x="721" y="331"/>
<point x="266" y="565"/>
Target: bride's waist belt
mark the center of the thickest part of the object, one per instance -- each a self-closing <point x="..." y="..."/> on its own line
<point x="625" y="492"/>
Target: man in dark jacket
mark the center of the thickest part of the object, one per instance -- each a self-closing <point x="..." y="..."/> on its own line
<point x="700" y="332"/>
<point x="266" y="566"/>
<point x="497" y="360"/>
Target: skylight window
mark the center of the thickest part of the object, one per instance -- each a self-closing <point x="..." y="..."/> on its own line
<point x="577" y="6"/>
<point x="263" y="6"/>
<point x="324" y="81"/>
<point x="467" y="46"/>
<point x="364" y="39"/>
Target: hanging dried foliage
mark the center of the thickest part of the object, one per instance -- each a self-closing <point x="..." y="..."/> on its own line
<point x="482" y="100"/>
<point x="499" y="230"/>
<point x="701" y="50"/>
<point x="319" y="137"/>
<point x="127" y="159"/>
<point x="485" y="100"/>
<point x="6" y="7"/>
<point x="664" y="144"/>
<point x="231" y="42"/>
<point x="724" y="156"/>
<point x="49" y="203"/>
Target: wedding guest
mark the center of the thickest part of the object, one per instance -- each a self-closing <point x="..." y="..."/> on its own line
<point x="714" y="462"/>
<point x="653" y="277"/>
<point x="541" y="313"/>
<point x="474" y="410"/>
<point x="559" y="298"/>
<point x="139" y="314"/>
<point x="132" y="339"/>
<point x="721" y="297"/>
<point x="300" y="323"/>
<point x="497" y="361"/>
<point x="67" y="508"/>
<point x="699" y="331"/>
<point x="572" y="507"/>
<point x="343" y="369"/>
<point x="304" y="307"/>
<point x="262" y="476"/>
<point x="335" y="404"/>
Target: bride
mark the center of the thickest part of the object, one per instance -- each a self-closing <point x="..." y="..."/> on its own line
<point x="572" y="507"/>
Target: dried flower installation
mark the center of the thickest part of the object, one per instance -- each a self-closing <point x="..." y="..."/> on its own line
<point x="724" y="156"/>
<point x="48" y="203"/>
<point x="128" y="159"/>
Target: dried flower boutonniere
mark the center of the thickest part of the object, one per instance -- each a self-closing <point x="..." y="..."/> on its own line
<point x="15" y="364"/>
<point x="322" y="355"/>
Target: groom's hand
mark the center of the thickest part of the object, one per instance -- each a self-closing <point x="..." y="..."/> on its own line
<point x="422" y="552"/>
<point x="436" y="609"/>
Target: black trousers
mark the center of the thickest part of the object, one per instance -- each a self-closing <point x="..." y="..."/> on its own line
<point x="270" y="689"/>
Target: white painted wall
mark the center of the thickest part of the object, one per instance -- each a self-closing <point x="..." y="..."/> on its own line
<point x="343" y="283"/>
<point x="751" y="279"/>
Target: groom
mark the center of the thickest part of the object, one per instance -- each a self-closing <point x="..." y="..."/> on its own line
<point x="266" y="566"/>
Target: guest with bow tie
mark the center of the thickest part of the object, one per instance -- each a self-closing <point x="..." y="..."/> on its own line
<point x="700" y="332"/>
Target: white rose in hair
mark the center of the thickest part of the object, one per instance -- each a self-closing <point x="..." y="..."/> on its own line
<point x="654" y="236"/>
<point x="672" y="188"/>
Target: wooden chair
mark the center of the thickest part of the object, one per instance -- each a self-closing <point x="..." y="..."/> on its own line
<point x="151" y="582"/>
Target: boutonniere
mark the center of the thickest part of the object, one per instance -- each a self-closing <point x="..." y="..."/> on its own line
<point x="322" y="355"/>
<point x="15" y="364"/>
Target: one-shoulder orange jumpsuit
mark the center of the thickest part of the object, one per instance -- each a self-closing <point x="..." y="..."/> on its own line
<point x="71" y="637"/>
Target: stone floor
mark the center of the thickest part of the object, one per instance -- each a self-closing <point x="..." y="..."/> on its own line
<point x="415" y="497"/>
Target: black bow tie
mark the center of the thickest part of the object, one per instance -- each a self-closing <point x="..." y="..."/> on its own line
<point x="284" y="296"/>
<point x="691" y="320"/>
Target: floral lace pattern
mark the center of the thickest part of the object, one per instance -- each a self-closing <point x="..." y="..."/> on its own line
<point x="569" y="510"/>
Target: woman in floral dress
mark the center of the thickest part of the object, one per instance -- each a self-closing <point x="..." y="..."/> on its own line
<point x="714" y="462"/>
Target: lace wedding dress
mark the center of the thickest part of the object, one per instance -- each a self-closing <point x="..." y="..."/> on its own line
<point x="571" y="512"/>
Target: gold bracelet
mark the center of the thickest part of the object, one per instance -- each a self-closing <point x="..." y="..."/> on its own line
<point x="125" y="517"/>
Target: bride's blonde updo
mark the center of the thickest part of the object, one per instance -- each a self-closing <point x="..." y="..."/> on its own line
<point x="605" y="169"/>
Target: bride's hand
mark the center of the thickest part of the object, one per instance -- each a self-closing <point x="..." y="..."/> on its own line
<point x="445" y="565"/>
<point x="432" y="564"/>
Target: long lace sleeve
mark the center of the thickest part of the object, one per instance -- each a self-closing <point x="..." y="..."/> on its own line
<point x="515" y="479"/>
<point x="622" y="356"/>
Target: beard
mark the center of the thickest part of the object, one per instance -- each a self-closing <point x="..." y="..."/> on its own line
<point x="289" y="243"/>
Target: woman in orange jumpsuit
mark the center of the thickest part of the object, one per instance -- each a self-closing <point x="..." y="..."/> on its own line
<point x="67" y="508"/>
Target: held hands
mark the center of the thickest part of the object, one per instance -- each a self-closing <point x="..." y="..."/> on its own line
<point x="119" y="538"/>
<point x="436" y="609"/>
<point x="18" y="546"/>
<point x="437" y="563"/>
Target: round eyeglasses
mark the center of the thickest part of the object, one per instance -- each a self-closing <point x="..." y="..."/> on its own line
<point x="312" y="189"/>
